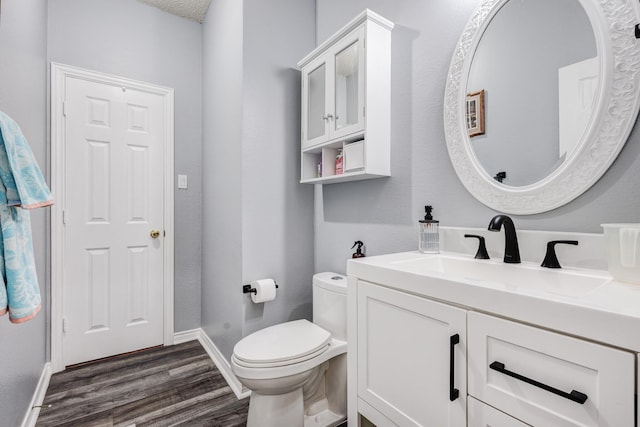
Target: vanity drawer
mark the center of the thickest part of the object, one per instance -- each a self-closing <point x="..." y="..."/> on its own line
<point x="541" y="377"/>
<point x="483" y="415"/>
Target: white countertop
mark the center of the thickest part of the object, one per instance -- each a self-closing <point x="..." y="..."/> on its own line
<point x="607" y="312"/>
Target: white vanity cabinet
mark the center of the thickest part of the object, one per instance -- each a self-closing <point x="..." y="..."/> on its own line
<point x="403" y="365"/>
<point x="482" y="415"/>
<point x="346" y="103"/>
<point x="411" y="362"/>
<point x="547" y="379"/>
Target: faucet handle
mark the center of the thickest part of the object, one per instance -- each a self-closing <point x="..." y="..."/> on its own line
<point x="550" y="258"/>
<point x="482" y="248"/>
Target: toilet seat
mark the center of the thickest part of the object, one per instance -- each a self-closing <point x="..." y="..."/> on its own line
<point x="281" y="345"/>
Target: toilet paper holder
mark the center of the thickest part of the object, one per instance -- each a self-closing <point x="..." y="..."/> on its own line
<point x="247" y="289"/>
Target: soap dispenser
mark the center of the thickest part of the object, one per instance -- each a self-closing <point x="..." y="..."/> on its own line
<point x="429" y="240"/>
<point x="358" y="253"/>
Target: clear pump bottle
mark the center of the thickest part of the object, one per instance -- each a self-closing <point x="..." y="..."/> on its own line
<point x="429" y="240"/>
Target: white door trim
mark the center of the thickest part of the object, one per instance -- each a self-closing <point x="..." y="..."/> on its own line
<point x="59" y="73"/>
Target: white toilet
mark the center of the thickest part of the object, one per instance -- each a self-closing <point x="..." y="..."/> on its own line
<point x="297" y="371"/>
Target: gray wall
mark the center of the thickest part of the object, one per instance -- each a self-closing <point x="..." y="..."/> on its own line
<point x="277" y="210"/>
<point x="134" y="40"/>
<point x="23" y="97"/>
<point x="257" y="219"/>
<point x="223" y="173"/>
<point x="384" y="212"/>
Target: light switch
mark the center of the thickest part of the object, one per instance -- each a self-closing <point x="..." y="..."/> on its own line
<point x="182" y="182"/>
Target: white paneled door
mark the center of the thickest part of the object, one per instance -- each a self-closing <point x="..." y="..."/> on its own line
<point x="113" y="220"/>
<point x="577" y="90"/>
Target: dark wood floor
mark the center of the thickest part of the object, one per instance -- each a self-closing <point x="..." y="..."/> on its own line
<point x="172" y="386"/>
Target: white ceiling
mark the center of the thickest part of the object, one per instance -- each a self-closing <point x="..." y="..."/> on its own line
<point x="192" y="9"/>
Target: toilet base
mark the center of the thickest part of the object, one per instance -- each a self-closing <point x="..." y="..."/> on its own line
<point x="276" y="410"/>
<point x="324" y="418"/>
<point x="287" y="410"/>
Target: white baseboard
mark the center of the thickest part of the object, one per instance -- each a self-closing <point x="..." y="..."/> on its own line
<point x="184" y="336"/>
<point x="216" y="356"/>
<point x="33" y="410"/>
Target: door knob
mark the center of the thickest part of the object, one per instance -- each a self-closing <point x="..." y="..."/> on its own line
<point x="154" y="234"/>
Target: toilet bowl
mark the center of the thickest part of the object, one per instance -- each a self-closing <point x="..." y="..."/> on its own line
<point x="297" y="371"/>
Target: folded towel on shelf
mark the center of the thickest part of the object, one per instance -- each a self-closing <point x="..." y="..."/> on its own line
<point x="22" y="187"/>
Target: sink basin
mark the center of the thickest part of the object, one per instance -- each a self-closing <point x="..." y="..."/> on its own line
<point x="525" y="277"/>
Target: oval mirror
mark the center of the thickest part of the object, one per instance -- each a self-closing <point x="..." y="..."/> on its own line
<point x="541" y="96"/>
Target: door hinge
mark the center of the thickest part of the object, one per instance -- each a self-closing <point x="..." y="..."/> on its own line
<point x="64" y="325"/>
<point x="364" y="111"/>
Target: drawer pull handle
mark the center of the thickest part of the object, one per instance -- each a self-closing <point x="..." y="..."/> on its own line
<point x="453" y="392"/>
<point x="574" y="396"/>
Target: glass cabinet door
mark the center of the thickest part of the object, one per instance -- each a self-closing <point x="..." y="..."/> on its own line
<point x="346" y="86"/>
<point x="333" y="92"/>
<point x="316" y="115"/>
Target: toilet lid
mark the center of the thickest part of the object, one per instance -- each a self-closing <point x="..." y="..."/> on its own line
<point x="282" y="343"/>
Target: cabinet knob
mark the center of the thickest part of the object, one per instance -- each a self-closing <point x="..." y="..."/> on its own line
<point x="327" y="116"/>
<point x="154" y="234"/>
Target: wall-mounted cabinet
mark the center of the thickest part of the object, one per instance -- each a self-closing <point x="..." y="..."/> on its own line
<point x="346" y="103"/>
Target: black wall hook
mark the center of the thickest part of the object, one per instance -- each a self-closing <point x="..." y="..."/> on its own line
<point x="500" y="176"/>
<point x="637" y="31"/>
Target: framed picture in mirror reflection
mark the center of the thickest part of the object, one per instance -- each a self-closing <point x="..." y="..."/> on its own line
<point x="475" y="113"/>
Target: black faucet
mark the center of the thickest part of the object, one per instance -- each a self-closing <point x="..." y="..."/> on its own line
<point x="481" y="253"/>
<point x="551" y="259"/>
<point x="511" y="251"/>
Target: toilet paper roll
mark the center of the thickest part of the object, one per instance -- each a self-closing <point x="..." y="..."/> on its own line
<point x="265" y="290"/>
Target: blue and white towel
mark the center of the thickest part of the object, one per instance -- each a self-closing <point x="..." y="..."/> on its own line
<point x="19" y="171"/>
<point x="22" y="187"/>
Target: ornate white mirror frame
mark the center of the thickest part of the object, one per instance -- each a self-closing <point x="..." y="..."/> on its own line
<point x="617" y="105"/>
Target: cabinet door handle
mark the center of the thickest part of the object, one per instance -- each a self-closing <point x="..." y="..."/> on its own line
<point x="453" y="392"/>
<point x="574" y="396"/>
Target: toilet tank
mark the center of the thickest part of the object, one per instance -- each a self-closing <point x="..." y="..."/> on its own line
<point x="330" y="303"/>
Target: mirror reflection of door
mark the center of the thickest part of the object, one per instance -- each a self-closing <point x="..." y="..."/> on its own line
<point x="577" y="87"/>
<point x="517" y="63"/>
